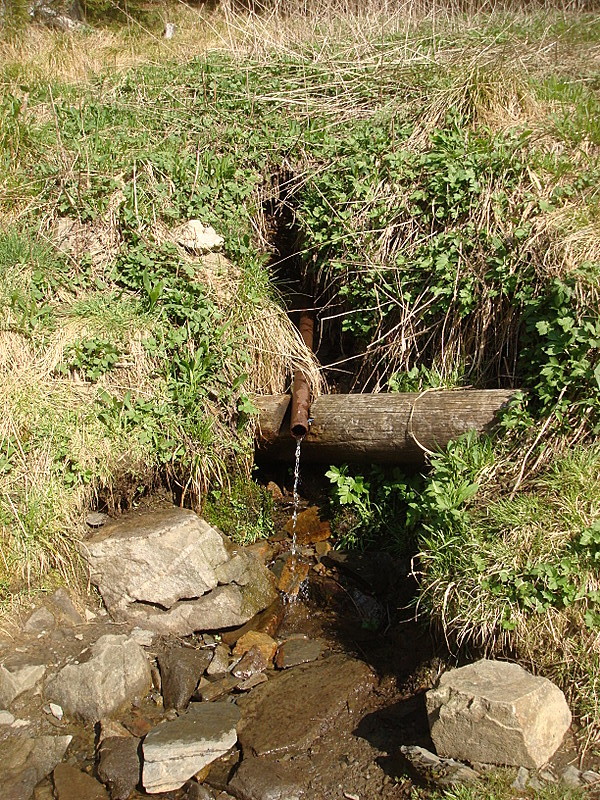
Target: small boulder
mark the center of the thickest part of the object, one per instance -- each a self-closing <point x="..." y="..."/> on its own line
<point x="17" y="678"/>
<point x="156" y="557"/>
<point x="180" y="671"/>
<point x="430" y="769"/>
<point x="309" y="529"/>
<point x="219" y="663"/>
<point x="265" y="643"/>
<point x="119" y="765"/>
<point x="299" y="705"/>
<point x="175" y="751"/>
<point x="497" y="713"/>
<point x="73" y="784"/>
<point x="172" y="573"/>
<point x="25" y="761"/>
<point x="115" y="673"/>
<point x="251" y="663"/>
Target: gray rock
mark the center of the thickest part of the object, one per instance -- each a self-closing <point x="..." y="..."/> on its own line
<point x="115" y="673"/>
<point x="220" y="660"/>
<point x="175" y="751"/>
<point x="571" y="777"/>
<point x="180" y="671"/>
<point x="25" y="761"/>
<point x="298" y="651"/>
<point x="6" y="718"/>
<point x="40" y="621"/>
<point x="119" y="765"/>
<point x="224" y="607"/>
<point x="18" y="678"/>
<point x="521" y="781"/>
<point x="156" y="557"/>
<point x="267" y="779"/>
<point x="63" y="608"/>
<point x="73" y="784"/>
<point x="497" y="713"/>
<point x="299" y="705"/>
<point x="429" y="768"/>
<point x="96" y="519"/>
<point x="222" y="686"/>
<point x="590" y="777"/>
<point x="164" y="571"/>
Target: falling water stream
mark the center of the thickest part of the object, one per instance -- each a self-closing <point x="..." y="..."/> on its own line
<point x="296" y="496"/>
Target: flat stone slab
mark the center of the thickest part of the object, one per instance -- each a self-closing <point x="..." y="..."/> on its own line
<point x="494" y="712"/>
<point x="298" y="650"/>
<point x="293" y="709"/>
<point x="174" y="751"/>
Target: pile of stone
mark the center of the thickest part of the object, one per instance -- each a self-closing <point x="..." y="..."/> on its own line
<point x="180" y="683"/>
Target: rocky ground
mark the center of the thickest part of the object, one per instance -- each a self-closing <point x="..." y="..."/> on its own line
<point x="211" y="671"/>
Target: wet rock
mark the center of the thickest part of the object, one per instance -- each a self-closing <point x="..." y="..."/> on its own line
<point x="73" y="784"/>
<point x="119" y="765"/>
<point x="370" y="610"/>
<point x="274" y="491"/>
<point x="220" y="660"/>
<point x="175" y="751"/>
<point x="263" y="550"/>
<point x="250" y="664"/>
<point x="429" y="768"/>
<point x="322" y="548"/>
<point x="223" y="607"/>
<point x="377" y="570"/>
<point x="309" y="527"/>
<point x="111" y="728"/>
<point x="197" y="237"/>
<point x="293" y="575"/>
<point x="180" y="671"/>
<point x="197" y="791"/>
<point x="293" y="709"/>
<point x="17" y="678"/>
<point x="298" y="650"/>
<point x="115" y="673"/>
<point x="267" y="779"/>
<point x="252" y="681"/>
<point x="25" y="761"/>
<point x="155" y="557"/>
<point x="497" y="713"/>
<point x="265" y="643"/>
<point x="218" y="688"/>
<point x="267" y="621"/>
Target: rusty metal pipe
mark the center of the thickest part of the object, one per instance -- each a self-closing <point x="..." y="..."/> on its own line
<point x="299" y="423"/>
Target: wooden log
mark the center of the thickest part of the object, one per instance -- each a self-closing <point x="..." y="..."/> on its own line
<point x="378" y="428"/>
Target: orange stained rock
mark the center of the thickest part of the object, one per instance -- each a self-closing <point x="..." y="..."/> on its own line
<point x="309" y="527"/>
<point x="262" y="641"/>
<point x="294" y="572"/>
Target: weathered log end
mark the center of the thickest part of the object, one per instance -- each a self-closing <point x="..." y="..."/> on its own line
<point x="379" y="428"/>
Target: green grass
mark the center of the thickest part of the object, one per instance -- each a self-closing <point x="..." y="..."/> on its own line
<point x="442" y="172"/>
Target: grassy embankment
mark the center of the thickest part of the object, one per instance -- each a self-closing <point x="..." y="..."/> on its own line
<point x="444" y="174"/>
